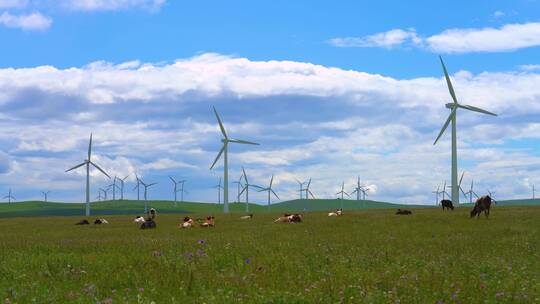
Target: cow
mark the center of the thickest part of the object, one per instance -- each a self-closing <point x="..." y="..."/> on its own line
<point x="403" y="212"/>
<point x="289" y="218"/>
<point x="247" y="217"/>
<point x="100" y="221"/>
<point x="447" y="204"/>
<point x="482" y="204"/>
<point x="83" y="222"/>
<point x="139" y="220"/>
<point x="188" y="222"/>
<point x="152" y="213"/>
<point x="338" y="212"/>
<point x="209" y="222"/>
<point x="148" y="224"/>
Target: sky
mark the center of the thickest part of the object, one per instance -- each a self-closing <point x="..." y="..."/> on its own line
<point x="330" y="90"/>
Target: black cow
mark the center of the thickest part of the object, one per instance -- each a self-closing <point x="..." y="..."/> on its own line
<point x="482" y="204"/>
<point x="447" y="204"/>
<point x="149" y="224"/>
<point x="83" y="222"/>
<point x="403" y="212"/>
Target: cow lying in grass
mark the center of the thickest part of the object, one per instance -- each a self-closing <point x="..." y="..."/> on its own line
<point x="139" y="220"/>
<point x="152" y="213"/>
<point x="100" y="221"/>
<point x="247" y="217"/>
<point x="83" y="222"/>
<point x="403" y="212"/>
<point x="447" y="204"/>
<point x="289" y="218"/>
<point x="209" y="222"/>
<point x="188" y="223"/>
<point x="482" y="204"/>
<point x="339" y="212"/>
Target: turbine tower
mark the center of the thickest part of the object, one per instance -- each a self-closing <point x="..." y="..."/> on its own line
<point x="300" y="189"/>
<point x="342" y="192"/>
<point x="114" y="186"/>
<point x="224" y="150"/>
<point x="176" y="183"/>
<point x="45" y="195"/>
<point x="360" y="190"/>
<point x="87" y="163"/>
<point x="138" y="186"/>
<point x="240" y="186"/>
<point x="534" y="192"/>
<point x="122" y="180"/>
<point x="9" y="196"/>
<point x="437" y="192"/>
<point x="219" y="187"/>
<point x="471" y="192"/>
<point x="246" y="188"/>
<point x="270" y="190"/>
<point x="453" y="106"/>
<point x="146" y="186"/>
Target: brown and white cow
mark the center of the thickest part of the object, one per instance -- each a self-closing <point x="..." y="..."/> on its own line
<point x="187" y="223"/>
<point x="209" y="222"/>
<point x="338" y="212"/>
<point x="289" y="218"/>
<point x="247" y="217"/>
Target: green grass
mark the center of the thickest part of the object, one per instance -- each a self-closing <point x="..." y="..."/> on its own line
<point x="368" y="256"/>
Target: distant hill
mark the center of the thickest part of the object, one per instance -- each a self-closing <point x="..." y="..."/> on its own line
<point x="133" y="207"/>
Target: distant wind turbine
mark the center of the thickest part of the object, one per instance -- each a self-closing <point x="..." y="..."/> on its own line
<point x="113" y="186"/>
<point x="300" y="189"/>
<point x="437" y="192"/>
<point x="45" y="195"/>
<point x="122" y="181"/>
<point x="138" y="186"/>
<point x="270" y="190"/>
<point x="471" y="192"/>
<point x="342" y="192"/>
<point x="534" y="192"/>
<point x="87" y="163"/>
<point x="9" y="196"/>
<point x="360" y="191"/>
<point x="246" y="188"/>
<point x="240" y="186"/>
<point x="146" y="186"/>
<point x="175" y="190"/>
<point x="219" y="187"/>
<point x="105" y="192"/>
<point x="453" y="106"/>
<point x="224" y="150"/>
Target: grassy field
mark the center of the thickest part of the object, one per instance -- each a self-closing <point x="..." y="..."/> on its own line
<point x="370" y="256"/>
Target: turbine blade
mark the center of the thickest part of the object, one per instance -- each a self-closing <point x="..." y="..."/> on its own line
<point x="271" y="180"/>
<point x="245" y="175"/>
<point x="313" y="196"/>
<point x="150" y="184"/>
<point x="220" y="123"/>
<point x="309" y="183"/>
<point x="217" y="157"/>
<point x="90" y="147"/>
<point x="476" y="109"/>
<point x="77" y="166"/>
<point x="448" y="82"/>
<point x="450" y="117"/>
<point x="461" y="179"/>
<point x="243" y="189"/>
<point x="102" y="171"/>
<point x="239" y="141"/>
<point x="274" y="193"/>
<point x="172" y="179"/>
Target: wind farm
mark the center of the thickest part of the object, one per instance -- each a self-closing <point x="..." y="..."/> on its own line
<point x="159" y="151"/>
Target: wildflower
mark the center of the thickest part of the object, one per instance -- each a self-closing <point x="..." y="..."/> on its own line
<point x="201" y="242"/>
<point x="248" y="261"/>
<point x="141" y="289"/>
<point x="200" y="252"/>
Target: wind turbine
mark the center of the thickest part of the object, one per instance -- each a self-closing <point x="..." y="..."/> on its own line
<point x="104" y="190"/>
<point x="137" y="186"/>
<point x="219" y="187"/>
<point x="122" y="180"/>
<point x="146" y="186"/>
<point x="444" y="193"/>
<point x="45" y="194"/>
<point x="342" y="192"/>
<point x="437" y="192"/>
<point x="113" y="185"/>
<point x="309" y="191"/>
<point x="9" y="196"/>
<point x="239" y="187"/>
<point x="534" y="192"/>
<point x="226" y="140"/>
<point x="471" y="192"/>
<point x="99" y="197"/>
<point x="176" y="183"/>
<point x="87" y="163"/>
<point x="270" y="190"/>
<point x="459" y="185"/>
<point x="300" y="189"/>
<point x="246" y="188"/>
<point x="453" y="106"/>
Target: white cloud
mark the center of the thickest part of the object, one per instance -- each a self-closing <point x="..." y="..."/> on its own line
<point x="498" y="14"/>
<point x="530" y="67"/>
<point x="389" y="39"/>
<point x="112" y="5"/>
<point x="29" y="22"/>
<point x="13" y="3"/>
<point x="507" y="38"/>
<point x="165" y="164"/>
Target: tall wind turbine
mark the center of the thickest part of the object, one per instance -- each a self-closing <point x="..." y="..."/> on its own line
<point x="308" y="192"/>
<point x="146" y="186"/>
<point x="471" y="192"/>
<point x="270" y="190"/>
<point x="453" y="106"/>
<point x="342" y="192"/>
<point x="87" y="163"/>
<point x="300" y="189"/>
<point x="122" y="181"/>
<point x="219" y="187"/>
<point x="9" y="196"/>
<point x="246" y="188"/>
<point x="224" y="150"/>
<point x="176" y="183"/>
<point x="45" y="194"/>
<point x="360" y="190"/>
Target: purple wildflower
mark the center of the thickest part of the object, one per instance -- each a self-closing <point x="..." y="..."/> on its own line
<point x="201" y="242"/>
<point x="248" y="261"/>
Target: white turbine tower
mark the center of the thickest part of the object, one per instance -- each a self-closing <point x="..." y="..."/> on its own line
<point x="270" y="190"/>
<point x="246" y="188"/>
<point x="9" y="196"/>
<point x="300" y="189"/>
<point x="176" y="183"/>
<point x="342" y="192"/>
<point x="471" y="192"/>
<point x="146" y="186"/>
<point x="122" y="180"/>
<point x="224" y="150"/>
<point x="453" y="106"/>
<point x="534" y="192"/>
<point x="219" y="187"/>
<point x="45" y="195"/>
<point x="87" y="163"/>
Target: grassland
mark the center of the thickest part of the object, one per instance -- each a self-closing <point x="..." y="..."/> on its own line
<point x="370" y="256"/>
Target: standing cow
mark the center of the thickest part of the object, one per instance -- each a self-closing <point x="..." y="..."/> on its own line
<point x="447" y="204"/>
<point x="482" y="204"/>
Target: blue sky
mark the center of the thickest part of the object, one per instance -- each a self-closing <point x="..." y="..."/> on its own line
<point x="330" y="90"/>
